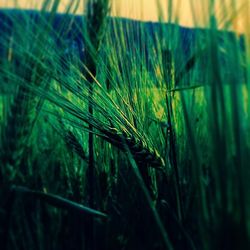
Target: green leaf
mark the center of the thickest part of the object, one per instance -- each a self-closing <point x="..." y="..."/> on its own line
<point x="58" y="201"/>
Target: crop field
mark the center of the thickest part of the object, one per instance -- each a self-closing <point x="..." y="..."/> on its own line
<point x="125" y="134"/>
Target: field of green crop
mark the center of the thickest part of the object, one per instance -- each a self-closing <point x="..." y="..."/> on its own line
<point x="140" y="139"/>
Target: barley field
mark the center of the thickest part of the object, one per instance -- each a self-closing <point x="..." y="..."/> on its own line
<point x="118" y="133"/>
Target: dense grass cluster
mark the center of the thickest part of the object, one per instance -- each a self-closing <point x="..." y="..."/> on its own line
<point x="114" y="135"/>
